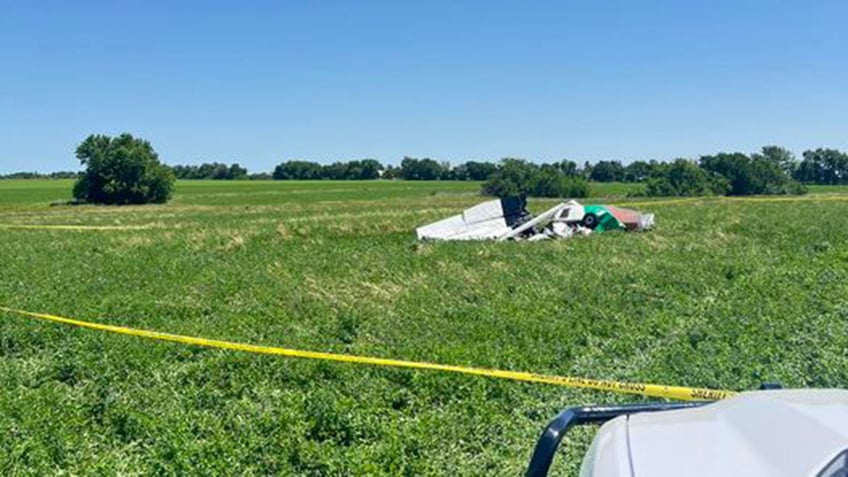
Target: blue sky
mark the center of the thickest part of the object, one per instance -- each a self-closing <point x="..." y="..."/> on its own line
<point x="266" y="81"/>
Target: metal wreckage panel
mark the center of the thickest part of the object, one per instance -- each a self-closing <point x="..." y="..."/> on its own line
<point x="508" y="219"/>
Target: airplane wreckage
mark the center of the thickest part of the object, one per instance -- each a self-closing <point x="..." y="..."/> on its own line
<point x="508" y="219"/>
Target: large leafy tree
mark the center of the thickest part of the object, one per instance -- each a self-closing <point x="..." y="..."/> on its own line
<point x="823" y="166"/>
<point x="759" y="174"/>
<point x="518" y="177"/>
<point x="782" y="157"/>
<point x="736" y="168"/>
<point x="479" y="171"/>
<point x="514" y="177"/>
<point x="569" y="168"/>
<point x="420" y="169"/>
<point x="121" y="170"/>
<point x="370" y="169"/>
<point x="607" y="171"/>
<point x="638" y="171"/>
<point x="298" y="170"/>
<point x="683" y="177"/>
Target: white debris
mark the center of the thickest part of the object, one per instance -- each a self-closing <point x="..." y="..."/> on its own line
<point x="481" y="222"/>
<point x="562" y="230"/>
<point x="508" y="219"/>
<point x="646" y="221"/>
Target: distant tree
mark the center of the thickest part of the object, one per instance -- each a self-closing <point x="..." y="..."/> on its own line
<point x="237" y="172"/>
<point x="771" y="179"/>
<point x="352" y="170"/>
<point x="517" y="177"/>
<point x="370" y="169"/>
<point x="64" y="175"/>
<point x="420" y="169"/>
<point x="24" y="175"/>
<point x="569" y="168"/>
<point x="297" y="170"/>
<point x="260" y="176"/>
<point x="21" y="175"/>
<point x="587" y="170"/>
<point x="460" y="172"/>
<point x="39" y="175"/>
<point x="607" y="171"/>
<point x="447" y="172"/>
<point x="121" y="170"/>
<point x="219" y="171"/>
<point x="213" y="170"/>
<point x="409" y="168"/>
<point x="474" y="171"/>
<point x="637" y="171"/>
<point x="751" y="175"/>
<point x="514" y="177"/>
<point x="783" y="158"/>
<point x="182" y="172"/>
<point x="683" y="177"/>
<point x="732" y="166"/>
<point x="430" y="169"/>
<point x="480" y="171"/>
<point x="809" y="172"/>
<point x="823" y="166"/>
<point x="550" y="181"/>
<point x="391" y="172"/>
<point x="206" y="170"/>
<point x="336" y="171"/>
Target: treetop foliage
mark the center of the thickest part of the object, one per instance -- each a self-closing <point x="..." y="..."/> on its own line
<point x="213" y="171"/>
<point x="765" y="173"/>
<point x="39" y="175"/>
<point x="683" y="177"/>
<point x="365" y="169"/>
<point x="823" y="166"/>
<point x="517" y="177"/>
<point x="121" y="170"/>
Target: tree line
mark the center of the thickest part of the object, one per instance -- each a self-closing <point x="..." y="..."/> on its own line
<point x="772" y="170"/>
<point x="211" y="171"/>
<point x="366" y="169"/>
<point x="41" y="175"/>
<point x="126" y="170"/>
<point x="818" y="166"/>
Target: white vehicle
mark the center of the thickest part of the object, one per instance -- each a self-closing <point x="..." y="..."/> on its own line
<point x="774" y="433"/>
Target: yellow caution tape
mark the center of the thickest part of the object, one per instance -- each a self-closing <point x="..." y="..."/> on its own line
<point x="650" y="390"/>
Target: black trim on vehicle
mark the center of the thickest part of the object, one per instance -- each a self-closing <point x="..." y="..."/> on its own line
<point x="548" y="443"/>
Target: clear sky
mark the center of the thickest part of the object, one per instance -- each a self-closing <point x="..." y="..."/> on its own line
<point x="265" y="81"/>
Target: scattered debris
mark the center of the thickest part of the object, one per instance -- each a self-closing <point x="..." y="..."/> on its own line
<point x="508" y="218"/>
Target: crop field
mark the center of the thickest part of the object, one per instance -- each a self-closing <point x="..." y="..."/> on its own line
<point x="723" y="293"/>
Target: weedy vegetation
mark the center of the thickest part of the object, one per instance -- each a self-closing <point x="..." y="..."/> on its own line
<point x="723" y="293"/>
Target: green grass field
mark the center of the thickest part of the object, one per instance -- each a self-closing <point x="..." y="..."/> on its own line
<point x="40" y="192"/>
<point x="722" y="293"/>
